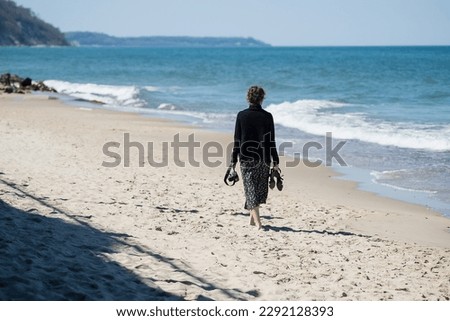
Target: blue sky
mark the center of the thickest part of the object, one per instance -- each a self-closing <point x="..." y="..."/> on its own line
<point x="278" y="22"/>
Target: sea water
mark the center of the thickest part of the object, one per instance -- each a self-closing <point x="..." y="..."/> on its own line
<point x="390" y="105"/>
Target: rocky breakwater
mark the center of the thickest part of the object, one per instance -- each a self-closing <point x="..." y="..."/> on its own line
<point x="13" y="84"/>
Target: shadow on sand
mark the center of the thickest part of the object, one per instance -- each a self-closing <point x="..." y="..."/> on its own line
<point x="45" y="258"/>
<point x="292" y="230"/>
<point x="324" y="232"/>
<point x="266" y="217"/>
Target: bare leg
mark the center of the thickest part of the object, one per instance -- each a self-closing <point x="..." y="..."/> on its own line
<point x="254" y="217"/>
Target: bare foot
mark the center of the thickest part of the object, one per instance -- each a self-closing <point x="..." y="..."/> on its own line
<point x="252" y="221"/>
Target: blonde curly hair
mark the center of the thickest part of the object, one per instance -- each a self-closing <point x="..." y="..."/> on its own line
<point x="255" y="95"/>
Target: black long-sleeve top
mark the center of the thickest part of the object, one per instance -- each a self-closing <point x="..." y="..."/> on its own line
<point x="254" y="136"/>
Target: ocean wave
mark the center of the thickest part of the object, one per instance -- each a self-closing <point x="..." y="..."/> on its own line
<point x="168" y="107"/>
<point x="154" y="89"/>
<point x="195" y="117"/>
<point x="394" y="176"/>
<point x="313" y="117"/>
<point x="106" y="94"/>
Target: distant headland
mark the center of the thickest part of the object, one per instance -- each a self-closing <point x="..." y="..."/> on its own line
<point x="20" y="26"/>
<point x="104" y="40"/>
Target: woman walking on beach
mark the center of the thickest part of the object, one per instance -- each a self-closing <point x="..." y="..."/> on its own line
<point x="254" y="143"/>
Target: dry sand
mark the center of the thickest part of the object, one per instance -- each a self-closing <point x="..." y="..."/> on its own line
<point x="72" y="229"/>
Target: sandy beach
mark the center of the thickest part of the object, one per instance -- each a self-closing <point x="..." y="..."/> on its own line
<point x="73" y="229"/>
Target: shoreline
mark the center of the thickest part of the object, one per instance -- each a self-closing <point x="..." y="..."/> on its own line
<point x="183" y="232"/>
<point x="361" y="177"/>
<point x="325" y="171"/>
<point x="365" y="182"/>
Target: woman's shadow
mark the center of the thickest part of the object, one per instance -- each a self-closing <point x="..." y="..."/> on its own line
<point x="275" y="228"/>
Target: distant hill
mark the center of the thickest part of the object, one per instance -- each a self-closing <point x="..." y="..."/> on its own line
<point x="103" y="40"/>
<point x="20" y="27"/>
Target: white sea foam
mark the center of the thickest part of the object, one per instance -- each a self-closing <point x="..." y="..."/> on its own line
<point x="313" y="116"/>
<point x="398" y="173"/>
<point x="107" y="94"/>
<point x="171" y="89"/>
<point x="166" y="110"/>
<point x="378" y="178"/>
<point x="152" y="88"/>
<point x="168" y="107"/>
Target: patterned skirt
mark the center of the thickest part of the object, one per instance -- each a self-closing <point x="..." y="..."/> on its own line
<point x="255" y="176"/>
